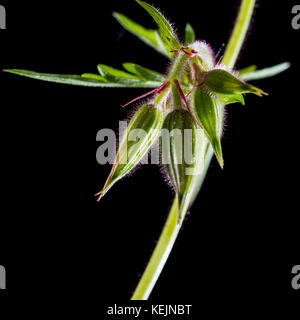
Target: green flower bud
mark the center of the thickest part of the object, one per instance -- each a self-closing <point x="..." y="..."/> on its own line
<point x="223" y="82"/>
<point x="141" y="133"/>
<point x="207" y="109"/>
<point x="178" y="142"/>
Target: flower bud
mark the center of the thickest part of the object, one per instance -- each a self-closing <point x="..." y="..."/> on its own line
<point x="223" y="82"/>
<point x="144" y="127"/>
<point x="206" y="110"/>
<point x="178" y="144"/>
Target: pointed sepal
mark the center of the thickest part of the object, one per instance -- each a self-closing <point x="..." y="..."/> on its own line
<point x="223" y="82"/>
<point x="141" y="133"/>
<point x="207" y="111"/>
<point x="178" y="145"/>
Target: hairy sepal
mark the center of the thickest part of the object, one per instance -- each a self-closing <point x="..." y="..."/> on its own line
<point x="141" y="133"/>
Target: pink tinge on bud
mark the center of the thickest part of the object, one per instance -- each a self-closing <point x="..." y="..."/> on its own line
<point x="181" y="94"/>
<point x="184" y="101"/>
<point x="192" y="54"/>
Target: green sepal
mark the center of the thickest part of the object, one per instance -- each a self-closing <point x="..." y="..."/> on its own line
<point x="147" y="121"/>
<point x="173" y="146"/>
<point x="166" y="32"/>
<point x="190" y="35"/>
<point x="206" y="109"/>
<point x="223" y="82"/>
<point x="229" y="99"/>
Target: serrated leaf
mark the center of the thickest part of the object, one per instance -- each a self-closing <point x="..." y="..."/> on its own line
<point x="190" y="35"/>
<point x="166" y="32"/>
<point x="143" y="72"/>
<point x="148" y="36"/>
<point x="89" y="80"/>
<point x="206" y="110"/>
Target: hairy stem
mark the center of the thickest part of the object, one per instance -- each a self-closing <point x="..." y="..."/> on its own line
<point x="172" y="228"/>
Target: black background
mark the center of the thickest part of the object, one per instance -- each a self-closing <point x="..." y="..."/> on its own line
<point x="241" y="240"/>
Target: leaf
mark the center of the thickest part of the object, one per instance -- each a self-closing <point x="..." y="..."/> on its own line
<point x="93" y="76"/>
<point x="143" y="73"/>
<point x="190" y="35"/>
<point x="87" y="79"/>
<point x="165" y="30"/>
<point x="148" y="36"/>
<point x="108" y="72"/>
<point x="267" y="72"/>
<point x="247" y="69"/>
<point x="61" y="78"/>
<point x="118" y="76"/>
<point x="206" y="110"/>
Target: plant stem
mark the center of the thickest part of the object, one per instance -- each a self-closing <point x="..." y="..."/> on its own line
<point x="172" y="228"/>
<point x="239" y="33"/>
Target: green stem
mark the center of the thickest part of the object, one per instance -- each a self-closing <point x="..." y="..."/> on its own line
<point x="172" y="228"/>
<point x="239" y="33"/>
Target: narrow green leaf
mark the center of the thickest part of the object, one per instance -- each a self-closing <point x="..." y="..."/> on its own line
<point x="148" y="36"/>
<point x="190" y="35"/>
<point x="143" y="73"/>
<point x="267" y="72"/>
<point x="119" y="76"/>
<point x="165" y="29"/>
<point x="89" y="80"/>
<point x="93" y="76"/>
<point x="61" y="78"/>
<point x="247" y="69"/>
<point x="109" y="72"/>
<point x="206" y="110"/>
